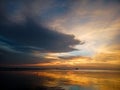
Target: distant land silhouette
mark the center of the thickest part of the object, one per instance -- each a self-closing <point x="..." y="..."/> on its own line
<point x="39" y="68"/>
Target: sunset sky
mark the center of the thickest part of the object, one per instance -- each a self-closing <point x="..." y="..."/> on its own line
<point x="60" y="33"/>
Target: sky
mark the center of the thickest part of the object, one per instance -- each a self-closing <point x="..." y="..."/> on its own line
<point x="60" y="33"/>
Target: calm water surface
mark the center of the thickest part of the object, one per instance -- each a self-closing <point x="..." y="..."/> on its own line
<point x="60" y="80"/>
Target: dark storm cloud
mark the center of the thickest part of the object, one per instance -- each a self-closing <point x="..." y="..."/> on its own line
<point x="32" y="35"/>
<point x="18" y="40"/>
<point x="10" y="55"/>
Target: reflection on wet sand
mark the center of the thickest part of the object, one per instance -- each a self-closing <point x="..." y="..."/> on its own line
<point x="65" y="80"/>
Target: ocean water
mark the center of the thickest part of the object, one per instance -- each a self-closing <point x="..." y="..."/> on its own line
<point x="60" y="80"/>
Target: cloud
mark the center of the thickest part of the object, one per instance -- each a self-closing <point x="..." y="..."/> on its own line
<point x="44" y="31"/>
<point x="32" y="35"/>
<point x="18" y="11"/>
<point x="96" y="23"/>
<point x="19" y="40"/>
<point x="12" y="55"/>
